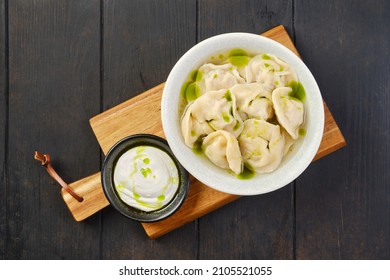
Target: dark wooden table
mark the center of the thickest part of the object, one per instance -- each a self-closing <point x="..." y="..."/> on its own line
<point x="63" y="62"/>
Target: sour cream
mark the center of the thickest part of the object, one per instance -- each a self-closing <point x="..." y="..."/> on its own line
<point x="146" y="178"/>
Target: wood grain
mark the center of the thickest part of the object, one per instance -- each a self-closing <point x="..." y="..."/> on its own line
<point x="3" y="127"/>
<point x="343" y="201"/>
<point x="337" y="209"/>
<point x="53" y="90"/>
<point x="110" y="126"/>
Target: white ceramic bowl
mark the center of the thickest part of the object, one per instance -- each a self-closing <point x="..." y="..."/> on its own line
<point x="204" y="170"/>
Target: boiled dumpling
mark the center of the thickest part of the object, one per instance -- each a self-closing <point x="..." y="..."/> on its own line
<point x="253" y="101"/>
<point x="261" y="144"/>
<point x="193" y="128"/>
<point x="216" y="77"/>
<point x="218" y="109"/>
<point x="288" y="142"/>
<point x="268" y="70"/>
<point x="221" y="147"/>
<point x="286" y="72"/>
<point x="289" y="110"/>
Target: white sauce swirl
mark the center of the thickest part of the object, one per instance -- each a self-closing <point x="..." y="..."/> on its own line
<point x="146" y="178"/>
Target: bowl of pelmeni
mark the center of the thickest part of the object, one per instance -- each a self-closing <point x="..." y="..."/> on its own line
<point x="242" y="113"/>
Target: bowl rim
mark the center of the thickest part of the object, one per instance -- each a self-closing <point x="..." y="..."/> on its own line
<point x="108" y="167"/>
<point x="196" y="56"/>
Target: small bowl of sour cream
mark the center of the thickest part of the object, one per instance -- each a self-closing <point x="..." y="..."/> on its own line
<point x="143" y="180"/>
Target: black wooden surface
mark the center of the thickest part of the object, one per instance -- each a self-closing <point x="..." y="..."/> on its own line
<point x="62" y="62"/>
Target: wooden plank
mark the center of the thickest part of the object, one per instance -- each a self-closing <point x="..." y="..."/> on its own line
<point x="109" y="128"/>
<point x="142" y="42"/>
<point x="53" y="90"/>
<point x="141" y="45"/>
<point x="343" y="208"/>
<point x="216" y="17"/>
<point x="3" y="128"/>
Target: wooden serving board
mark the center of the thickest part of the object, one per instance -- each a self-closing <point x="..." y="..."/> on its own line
<point x="141" y="114"/>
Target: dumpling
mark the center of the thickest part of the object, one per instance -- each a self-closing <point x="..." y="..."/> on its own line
<point x="221" y="147"/>
<point x="216" y="77"/>
<point x="288" y="142"/>
<point x="261" y="144"/>
<point x="253" y="101"/>
<point x="286" y="72"/>
<point x="193" y="129"/>
<point x="218" y="109"/>
<point x="289" y="110"/>
<point x="268" y="70"/>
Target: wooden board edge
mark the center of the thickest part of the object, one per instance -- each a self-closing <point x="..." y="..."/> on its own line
<point x="91" y="190"/>
<point x="156" y="229"/>
<point x="277" y="34"/>
<point x="112" y="112"/>
<point x="332" y="132"/>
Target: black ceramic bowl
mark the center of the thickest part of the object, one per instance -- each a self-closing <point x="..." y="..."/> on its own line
<point x="108" y="179"/>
